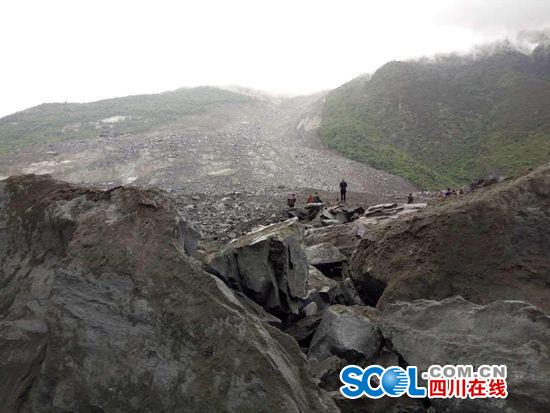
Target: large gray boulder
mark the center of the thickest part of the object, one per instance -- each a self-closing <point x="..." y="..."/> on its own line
<point x="346" y="332"/>
<point x="455" y="331"/>
<point x="101" y="310"/>
<point x="268" y="265"/>
<point x="491" y="244"/>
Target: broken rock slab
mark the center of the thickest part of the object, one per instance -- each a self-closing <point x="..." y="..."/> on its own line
<point x="268" y="265"/>
<point x="393" y="211"/>
<point x="344" y="237"/>
<point x="322" y="254"/>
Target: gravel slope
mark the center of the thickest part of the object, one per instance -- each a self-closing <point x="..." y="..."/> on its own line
<point x="270" y="145"/>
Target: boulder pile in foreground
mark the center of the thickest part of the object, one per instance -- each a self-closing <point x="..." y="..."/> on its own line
<point x="425" y="332"/>
<point x="101" y="310"/>
<point x="109" y="302"/>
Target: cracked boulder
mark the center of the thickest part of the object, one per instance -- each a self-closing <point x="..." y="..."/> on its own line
<point x="268" y="265"/>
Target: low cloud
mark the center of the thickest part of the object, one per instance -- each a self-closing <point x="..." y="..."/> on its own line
<point x="499" y="17"/>
<point x="534" y="36"/>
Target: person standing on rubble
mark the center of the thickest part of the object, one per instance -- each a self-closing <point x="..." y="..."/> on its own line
<point x="343" y="190"/>
<point x="291" y="200"/>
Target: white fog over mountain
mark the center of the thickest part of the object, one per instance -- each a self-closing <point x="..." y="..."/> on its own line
<point x="62" y="50"/>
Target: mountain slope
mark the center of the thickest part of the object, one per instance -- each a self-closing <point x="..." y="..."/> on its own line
<point x="448" y="121"/>
<point x="201" y="140"/>
<point x="53" y="122"/>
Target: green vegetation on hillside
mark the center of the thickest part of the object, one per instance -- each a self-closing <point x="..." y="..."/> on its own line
<point x="447" y="121"/>
<point x="53" y="122"/>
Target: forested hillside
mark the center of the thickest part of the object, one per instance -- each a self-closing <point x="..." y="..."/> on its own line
<point x="448" y="120"/>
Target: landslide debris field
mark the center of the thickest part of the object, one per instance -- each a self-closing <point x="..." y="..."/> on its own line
<point x="178" y="280"/>
<point x="241" y="143"/>
<point x="110" y="300"/>
<point x="228" y="158"/>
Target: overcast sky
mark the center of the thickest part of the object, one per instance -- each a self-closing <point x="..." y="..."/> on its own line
<point x="83" y="50"/>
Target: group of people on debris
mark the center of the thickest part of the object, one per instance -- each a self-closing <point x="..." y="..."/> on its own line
<point x="311" y="199"/>
<point x="449" y="192"/>
<point x="314" y="199"/>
